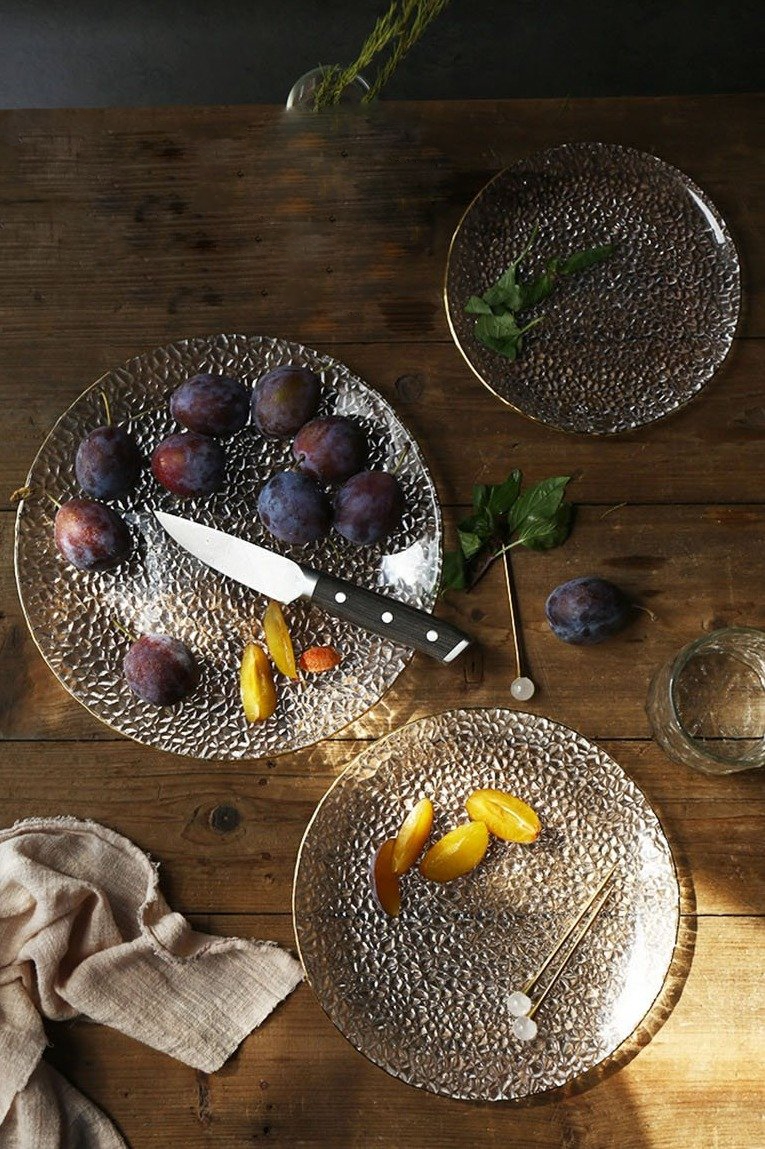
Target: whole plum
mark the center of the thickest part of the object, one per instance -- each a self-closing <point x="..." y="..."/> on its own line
<point x="160" y="669"/>
<point x="330" y="449"/>
<point x="368" y="507"/>
<point x="294" y="509"/>
<point x="188" y="464"/>
<point x="108" y="463"/>
<point x="91" y="536"/>
<point x="587" y="610"/>
<point x="284" y="399"/>
<point x="211" y="404"/>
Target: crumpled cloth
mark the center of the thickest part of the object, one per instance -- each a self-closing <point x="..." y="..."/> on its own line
<point x="85" y="930"/>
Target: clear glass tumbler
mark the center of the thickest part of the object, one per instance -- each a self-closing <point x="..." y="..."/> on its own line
<point x="707" y="706"/>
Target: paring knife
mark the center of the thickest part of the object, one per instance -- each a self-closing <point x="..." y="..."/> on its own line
<point x="285" y="580"/>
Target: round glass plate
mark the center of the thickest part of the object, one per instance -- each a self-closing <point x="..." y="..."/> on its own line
<point x="73" y="614"/>
<point x="627" y="341"/>
<point x="424" y="995"/>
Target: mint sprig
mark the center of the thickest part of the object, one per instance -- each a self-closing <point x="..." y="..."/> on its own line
<point x="505" y="516"/>
<point x="497" y="326"/>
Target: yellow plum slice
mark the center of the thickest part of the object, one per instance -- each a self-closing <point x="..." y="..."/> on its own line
<point x="457" y="853"/>
<point x="506" y="816"/>
<point x="278" y="640"/>
<point x="385" y="884"/>
<point x="412" y="836"/>
<point x="256" y="683"/>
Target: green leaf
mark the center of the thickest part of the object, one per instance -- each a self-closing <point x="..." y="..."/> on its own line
<point x="538" y="289"/>
<point x="505" y="293"/>
<point x="470" y="543"/>
<point x="509" y="348"/>
<point x="481" y="493"/>
<point x="497" y="326"/>
<point x="581" y="260"/>
<point x="481" y="523"/>
<point x="499" y="333"/>
<point x="476" y="306"/>
<point x="542" y="534"/>
<point x="453" y="572"/>
<point x="542" y="501"/>
<point x="503" y="495"/>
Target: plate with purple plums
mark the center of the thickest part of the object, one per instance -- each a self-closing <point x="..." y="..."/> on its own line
<point x="97" y="574"/>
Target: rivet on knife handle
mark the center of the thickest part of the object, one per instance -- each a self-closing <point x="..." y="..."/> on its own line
<point x="391" y="619"/>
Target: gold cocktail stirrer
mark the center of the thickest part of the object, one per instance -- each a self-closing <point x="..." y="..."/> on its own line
<point x="519" y="1003"/>
<point x="521" y="688"/>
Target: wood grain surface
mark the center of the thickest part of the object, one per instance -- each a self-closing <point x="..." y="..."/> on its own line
<point x="122" y="230"/>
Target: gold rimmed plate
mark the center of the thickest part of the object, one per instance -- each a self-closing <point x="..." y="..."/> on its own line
<point x="75" y="616"/>
<point x="628" y="341"/>
<point x="424" y="995"/>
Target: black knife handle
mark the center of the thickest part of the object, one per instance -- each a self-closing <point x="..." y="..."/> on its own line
<point x="389" y="618"/>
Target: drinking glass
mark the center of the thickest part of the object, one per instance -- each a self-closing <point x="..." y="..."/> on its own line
<point x="707" y="706"/>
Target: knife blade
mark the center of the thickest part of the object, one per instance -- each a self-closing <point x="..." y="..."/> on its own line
<point x="281" y="578"/>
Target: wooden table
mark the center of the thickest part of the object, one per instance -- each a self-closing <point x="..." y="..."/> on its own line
<point x="123" y="230"/>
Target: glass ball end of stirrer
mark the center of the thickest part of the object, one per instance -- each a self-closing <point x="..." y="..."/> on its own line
<point x="525" y="1028"/>
<point x="522" y="689"/>
<point x="519" y="1003"/>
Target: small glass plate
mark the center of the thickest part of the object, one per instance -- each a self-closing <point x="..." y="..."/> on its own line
<point x="628" y="341"/>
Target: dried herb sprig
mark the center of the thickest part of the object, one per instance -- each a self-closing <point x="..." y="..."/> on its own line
<point x="398" y="30"/>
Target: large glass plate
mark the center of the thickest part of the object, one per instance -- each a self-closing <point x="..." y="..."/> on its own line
<point x="424" y="995"/>
<point x="73" y="615"/>
<point x="628" y="341"/>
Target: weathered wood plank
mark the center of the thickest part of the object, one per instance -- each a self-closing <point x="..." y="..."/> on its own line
<point x="227" y="836"/>
<point x="296" y="1081"/>
<point x="694" y="567"/>
<point x="722" y="432"/>
<point x="126" y="229"/>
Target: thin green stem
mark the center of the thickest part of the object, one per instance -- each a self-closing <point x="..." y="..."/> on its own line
<point x="120" y="626"/>
<point x="107" y="409"/>
<point x="398" y="29"/>
<point x="505" y="549"/>
<point x="532" y="323"/>
<point x="534" y="233"/>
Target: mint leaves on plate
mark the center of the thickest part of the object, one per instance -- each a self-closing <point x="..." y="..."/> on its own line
<point x="497" y="325"/>
<point x="504" y="517"/>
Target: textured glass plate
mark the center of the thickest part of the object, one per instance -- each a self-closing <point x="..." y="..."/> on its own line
<point x="71" y="613"/>
<point x="423" y="995"/>
<point x="628" y="341"/>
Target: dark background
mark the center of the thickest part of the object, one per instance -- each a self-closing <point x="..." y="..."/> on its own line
<point x="59" y="53"/>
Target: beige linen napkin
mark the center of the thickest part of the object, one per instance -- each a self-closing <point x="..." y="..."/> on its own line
<point x="85" y="930"/>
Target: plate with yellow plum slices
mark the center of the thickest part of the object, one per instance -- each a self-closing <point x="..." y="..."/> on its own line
<point x="442" y="872"/>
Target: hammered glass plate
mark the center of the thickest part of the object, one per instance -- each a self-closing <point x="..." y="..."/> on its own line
<point x="424" y="995"/>
<point x="72" y="614"/>
<point x="628" y="341"/>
